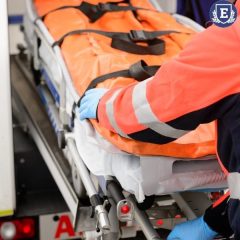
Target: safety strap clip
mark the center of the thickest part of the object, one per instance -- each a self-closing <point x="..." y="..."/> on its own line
<point x="138" y="35"/>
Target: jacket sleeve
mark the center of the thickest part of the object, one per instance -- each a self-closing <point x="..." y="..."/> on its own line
<point x="196" y="87"/>
<point x="216" y="216"/>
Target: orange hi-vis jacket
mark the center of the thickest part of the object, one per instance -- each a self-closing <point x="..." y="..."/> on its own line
<point x="200" y="85"/>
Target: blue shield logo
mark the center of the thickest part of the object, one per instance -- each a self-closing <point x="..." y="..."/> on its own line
<point x="223" y="13"/>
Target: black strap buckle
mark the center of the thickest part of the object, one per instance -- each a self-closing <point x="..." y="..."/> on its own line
<point x="138" y="35"/>
<point x="104" y="7"/>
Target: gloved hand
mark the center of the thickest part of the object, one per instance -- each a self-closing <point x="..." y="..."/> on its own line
<point x="196" y="229"/>
<point x="89" y="103"/>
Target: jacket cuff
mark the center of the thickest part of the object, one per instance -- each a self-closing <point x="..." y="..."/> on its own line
<point x="102" y="116"/>
<point x="217" y="219"/>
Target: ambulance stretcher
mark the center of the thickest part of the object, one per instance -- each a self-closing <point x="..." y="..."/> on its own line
<point x="98" y="164"/>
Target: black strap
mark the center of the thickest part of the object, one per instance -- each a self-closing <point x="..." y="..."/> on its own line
<point x="95" y="12"/>
<point x="138" y="71"/>
<point x="154" y="47"/>
<point x="128" y="41"/>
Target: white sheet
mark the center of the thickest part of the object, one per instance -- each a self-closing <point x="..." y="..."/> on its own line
<point x="144" y="175"/>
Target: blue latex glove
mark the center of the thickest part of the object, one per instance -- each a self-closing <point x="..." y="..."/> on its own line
<point x="192" y="230"/>
<point x="89" y="103"/>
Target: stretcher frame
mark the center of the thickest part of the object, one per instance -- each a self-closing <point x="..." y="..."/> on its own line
<point x="66" y="141"/>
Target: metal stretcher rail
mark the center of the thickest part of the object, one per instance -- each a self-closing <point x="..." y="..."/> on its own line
<point x="41" y="131"/>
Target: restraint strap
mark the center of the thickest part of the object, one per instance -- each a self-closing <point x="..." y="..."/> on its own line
<point x="95" y="12"/>
<point x="139" y="71"/>
<point x="128" y="41"/>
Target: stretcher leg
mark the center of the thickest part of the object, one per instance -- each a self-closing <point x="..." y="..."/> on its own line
<point x="101" y="213"/>
<point x="115" y="228"/>
<point x="143" y="220"/>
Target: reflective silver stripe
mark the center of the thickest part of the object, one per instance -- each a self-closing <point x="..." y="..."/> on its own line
<point x="234" y="185"/>
<point x="146" y="116"/>
<point x="110" y="114"/>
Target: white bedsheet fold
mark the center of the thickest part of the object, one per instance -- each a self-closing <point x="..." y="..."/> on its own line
<point x="144" y="175"/>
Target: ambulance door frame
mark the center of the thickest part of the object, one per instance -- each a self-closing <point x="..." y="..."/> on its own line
<point x="7" y="177"/>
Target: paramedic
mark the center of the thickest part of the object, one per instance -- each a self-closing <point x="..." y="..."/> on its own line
<point x="202" y="84"/>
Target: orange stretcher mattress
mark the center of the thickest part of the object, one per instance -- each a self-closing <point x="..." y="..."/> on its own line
<point x="90" y="55"/>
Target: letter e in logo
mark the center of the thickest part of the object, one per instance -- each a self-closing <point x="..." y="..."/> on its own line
<point x="224" y="12"/>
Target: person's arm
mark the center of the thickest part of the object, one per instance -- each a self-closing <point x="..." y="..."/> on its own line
<point x="216" y="217"/>
<point x="194" y="88"/>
